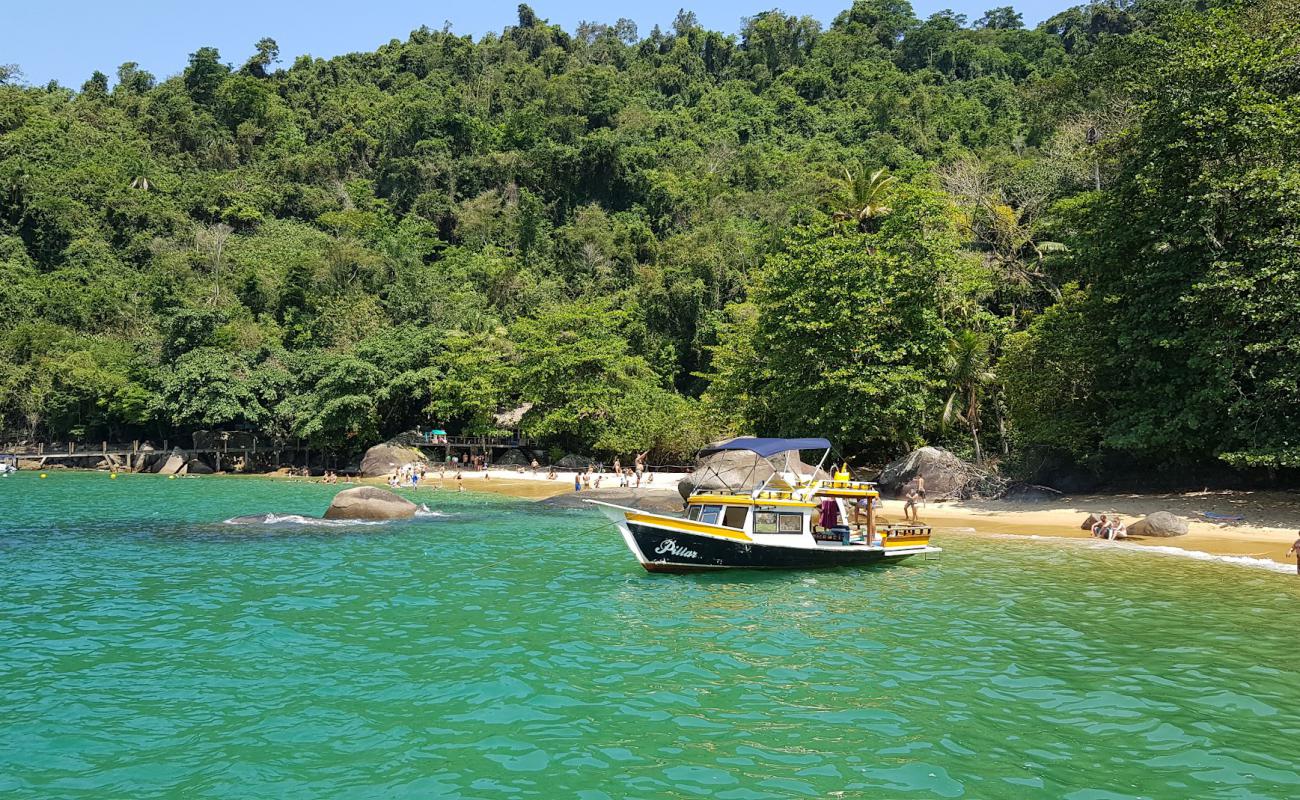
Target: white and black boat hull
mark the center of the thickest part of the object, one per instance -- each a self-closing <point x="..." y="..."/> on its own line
<point x="661" y="550"/>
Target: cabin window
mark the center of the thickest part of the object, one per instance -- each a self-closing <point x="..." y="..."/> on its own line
<point x="791" y="523"/>
<point x="777" y="522"/>
<point x="734" y="516"/>
<point x="709" y="514"/>
<point x="693" y="513"/>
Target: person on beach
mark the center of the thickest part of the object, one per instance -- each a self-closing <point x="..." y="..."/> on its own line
<point x="535" y="465"/>
<point x="618" y="467"/>
<point x="577" y="482"/>
<point x="1295" y="548"/>
<point x="909" y="505"/>
<point x="550" y="475"/>
<point x="1118" y="530"/>
<point x="1100" y="527"/>
<point x="920" y="487"/>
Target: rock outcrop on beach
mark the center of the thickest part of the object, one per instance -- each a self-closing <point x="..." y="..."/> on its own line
<point x="369" y="502"/>
<point x="739" y="469"/>
<point x="174" y="465"/>
<point x="574" y="461"/>
<point x="947" y="477"/>
<point x="659" y="501"/>
<point x="1159" y="524"/>
<point x="198" y="467"/>
<point x="382" y="459"/>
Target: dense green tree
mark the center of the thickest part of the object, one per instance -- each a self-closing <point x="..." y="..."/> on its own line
<point x="638" y="236"/>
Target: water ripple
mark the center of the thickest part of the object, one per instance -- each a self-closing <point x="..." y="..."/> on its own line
<point x="149" y="655"/>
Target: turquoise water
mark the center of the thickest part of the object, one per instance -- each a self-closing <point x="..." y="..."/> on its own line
<point x="149" y="650"/>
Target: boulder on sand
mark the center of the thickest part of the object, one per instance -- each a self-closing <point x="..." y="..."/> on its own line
<point x="383" y="458"/>
<point x="945" y="474"/>
<point x="1161" y="524"/>
<point x="196" y="467"/>
<point x="512" y="458"/>
<point x="738" y="469"/>
<point x="369" y="502"/>
<point x="174" y="465"/>
<point x="574" y="461"/>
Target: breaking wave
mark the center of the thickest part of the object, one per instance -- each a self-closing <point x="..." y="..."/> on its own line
<point x="1252" y="562"/>
<point x="291" y="520"/>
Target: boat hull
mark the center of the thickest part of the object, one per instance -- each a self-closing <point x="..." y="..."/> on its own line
<point x="664" y="550"/>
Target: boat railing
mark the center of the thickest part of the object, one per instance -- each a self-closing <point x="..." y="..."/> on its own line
<point x="831" y="484"/>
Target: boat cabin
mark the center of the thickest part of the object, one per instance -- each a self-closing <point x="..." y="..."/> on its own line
<point x="838" y="511"/>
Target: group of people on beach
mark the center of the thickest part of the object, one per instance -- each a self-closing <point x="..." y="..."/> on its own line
<point x="1110" y="529"/>
<point x="410" y="476"/>
<point x="628" y="477"/>
<point x="913" y="495"/>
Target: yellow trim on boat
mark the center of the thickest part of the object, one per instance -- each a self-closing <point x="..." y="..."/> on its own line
<point x="688" y="526"/>
<point x="746" y="500"/>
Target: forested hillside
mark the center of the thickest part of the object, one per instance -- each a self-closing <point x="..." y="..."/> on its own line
<point x="1080" y="241"/>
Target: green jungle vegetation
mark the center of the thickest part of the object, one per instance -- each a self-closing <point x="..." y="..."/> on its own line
<point x="1078" y="242"/>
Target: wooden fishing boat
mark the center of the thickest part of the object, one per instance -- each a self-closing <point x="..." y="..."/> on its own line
<point x="789" y="520"/>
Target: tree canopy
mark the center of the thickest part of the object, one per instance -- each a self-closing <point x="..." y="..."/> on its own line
<point x="1080" y="237"/>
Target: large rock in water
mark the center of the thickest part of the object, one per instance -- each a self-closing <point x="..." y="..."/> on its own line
<point x="1161" y="523"/>
<point x="738" y="469"/>
<point x="382" y="459"/>
<point x="369" y="502"/>
<point x="945" y="474"/>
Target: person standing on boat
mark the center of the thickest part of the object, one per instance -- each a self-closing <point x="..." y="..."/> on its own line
<point x="1295" y="549"/>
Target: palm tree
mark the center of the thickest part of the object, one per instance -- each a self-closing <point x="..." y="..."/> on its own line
<point x="861" y="197"/>
<point x="967" y="365"/>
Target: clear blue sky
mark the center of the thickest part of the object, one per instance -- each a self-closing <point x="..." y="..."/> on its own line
<point x="68" y="39"/>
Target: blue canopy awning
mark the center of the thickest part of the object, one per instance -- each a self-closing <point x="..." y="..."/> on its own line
<point x="767" y="447"/>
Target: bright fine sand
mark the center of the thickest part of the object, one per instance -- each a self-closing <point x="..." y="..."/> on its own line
<point x="1269" y="528"/>
<point x="1270" y="525"/>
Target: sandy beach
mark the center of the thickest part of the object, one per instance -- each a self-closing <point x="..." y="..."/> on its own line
<point x="1269" y="525"/>
<point x="1270" y="522"/>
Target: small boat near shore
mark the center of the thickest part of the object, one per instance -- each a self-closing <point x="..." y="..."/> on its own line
<point x="789" y="520"/>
